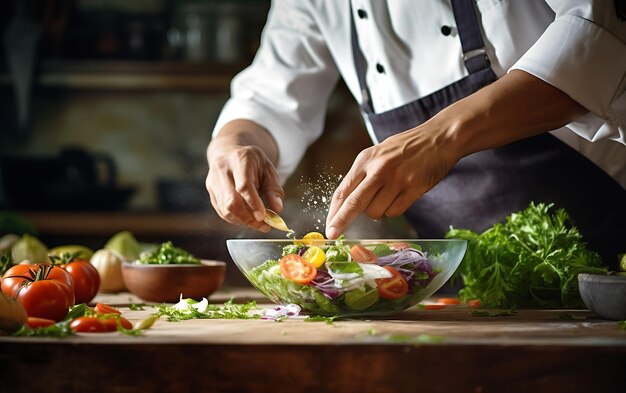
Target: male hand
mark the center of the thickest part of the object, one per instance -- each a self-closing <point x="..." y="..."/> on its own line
<point x="240" y="172"/>
<point x="386" y="179"/>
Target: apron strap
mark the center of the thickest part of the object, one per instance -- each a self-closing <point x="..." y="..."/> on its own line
<point x="474" y="54"/>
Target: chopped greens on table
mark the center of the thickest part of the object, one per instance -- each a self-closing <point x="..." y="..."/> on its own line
<point x="531" y="260"/>
<point x="193" y="309"/>
<point x="339" y="278"/>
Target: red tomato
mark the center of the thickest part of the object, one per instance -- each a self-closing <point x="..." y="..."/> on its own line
<point x="434" y="306"/>
<point x="297" y="269"/>
<point x="86" y="279"/>
<point x="393" y="287"/>
<point x="449" y="300"/>
<point x="88" y="325"/>
<point x="475" y="303"/>
<point x="46" y="299"/>
<point x="111" y="323"/>
<point x="43" y="290"/>
<point x="13" y="278"/>
<point x="362" y="254"/>
<point x="34" y="322"/>
<point x="106" y="309"/>
<point x="397" y="246"/>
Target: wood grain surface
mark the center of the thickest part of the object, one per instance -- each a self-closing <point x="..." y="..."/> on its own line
<point x="419" y="350"/>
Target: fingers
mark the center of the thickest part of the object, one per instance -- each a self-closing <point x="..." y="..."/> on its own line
<point x="246" y="184"/>
<point x="353" y="205"/>
<point x="229" y="205"/>
<point x="236" y="182"/>
<point x="271" y="189"/>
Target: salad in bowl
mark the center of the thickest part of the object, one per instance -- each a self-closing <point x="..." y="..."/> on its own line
<point x="347" y="277"/>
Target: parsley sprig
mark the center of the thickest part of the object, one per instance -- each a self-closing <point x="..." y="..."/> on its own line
<point x="531" y="260"/>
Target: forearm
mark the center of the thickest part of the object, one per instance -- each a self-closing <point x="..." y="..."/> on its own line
<point x="241" y="133"/>
<point x="517" y="106"/>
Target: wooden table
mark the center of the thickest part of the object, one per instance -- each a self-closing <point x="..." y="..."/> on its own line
<point x="419" y="350"/>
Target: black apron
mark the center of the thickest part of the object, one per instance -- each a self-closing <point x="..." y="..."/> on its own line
<point x="484" y="187"/>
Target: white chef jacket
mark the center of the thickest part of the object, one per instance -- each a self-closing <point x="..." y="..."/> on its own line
<point x="575" y="45"/>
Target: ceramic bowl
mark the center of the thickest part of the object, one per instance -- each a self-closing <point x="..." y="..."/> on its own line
<point x="341" y="288"/>
<point x="166" y="283"/>
<point x="604" y="295"/>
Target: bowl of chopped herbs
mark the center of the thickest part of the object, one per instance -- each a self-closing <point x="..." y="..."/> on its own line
<point x="168" y="272"/>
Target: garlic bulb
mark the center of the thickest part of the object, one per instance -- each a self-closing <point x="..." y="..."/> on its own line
<point x="109" y="266"/>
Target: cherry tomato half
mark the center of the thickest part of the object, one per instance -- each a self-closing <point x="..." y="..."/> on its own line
<point x="397" y="246"/>
<point x="111" y="323"/>
<point x="313" y="238"/>
<point x="315" y="255"/>
<point x="34" y="322"/>
<point x="475" y="303"/>
<point x="393" y="287"/>
<point x="102" y="308"/>
<point x="297" y="269"/>
<point x="362" y="254"/>
<point x="88" y="325"/>
<point x="449" y="301"/>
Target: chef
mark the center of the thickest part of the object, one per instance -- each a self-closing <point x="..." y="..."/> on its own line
<point x="475" y="108"/>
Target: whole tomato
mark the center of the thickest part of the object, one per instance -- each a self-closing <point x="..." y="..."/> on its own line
<point x="44" y="291"/>
<point x="86" y="279"/>
<point x="17" y="276"/>
<point x="13" y="278"/>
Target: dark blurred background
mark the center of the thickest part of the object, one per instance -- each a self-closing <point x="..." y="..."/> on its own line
<point x="107" y="106"/>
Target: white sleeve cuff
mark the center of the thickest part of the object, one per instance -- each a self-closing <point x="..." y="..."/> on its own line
<point x="588" y="63"/>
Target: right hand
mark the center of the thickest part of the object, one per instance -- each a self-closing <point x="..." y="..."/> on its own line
<point x="238" y="176"/>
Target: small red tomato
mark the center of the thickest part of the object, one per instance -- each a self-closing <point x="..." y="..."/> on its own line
<point x="397" y="246"/>
<point x="362" y="254"/>
<point x="102" y="308"/>
<point x="88" y="325"/>
<point x="111" y="323"/>
<point x="34" y="322"/>
<point x="475" y="303"/>
<point x="393" y="287"/>
<point x="297" y="269"/>
<point x="449" y="301"/>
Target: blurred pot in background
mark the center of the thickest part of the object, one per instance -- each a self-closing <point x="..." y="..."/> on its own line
<point x="74" y="180"/>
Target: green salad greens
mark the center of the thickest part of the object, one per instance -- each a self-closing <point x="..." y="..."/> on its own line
<point x="329" y="279"/>
<point x="531" y="260"/>
<point x="167" y="254"/>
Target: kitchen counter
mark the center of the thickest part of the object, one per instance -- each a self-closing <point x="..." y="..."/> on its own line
<point x="426" y="350"/>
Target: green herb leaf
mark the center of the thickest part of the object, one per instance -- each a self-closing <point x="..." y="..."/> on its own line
<point x="321" y="318"/>
<point x="59" y="329"/>
<point x="415" y="340"/>
<point x="531" y="260"/>
<point x="485" y="313"/>
<point x="136" y="307"/>
<point x="229" y="310"/>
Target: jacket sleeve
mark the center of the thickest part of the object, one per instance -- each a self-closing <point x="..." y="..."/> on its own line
<point x="286" y="88"/>
<point x="583" y="54"/>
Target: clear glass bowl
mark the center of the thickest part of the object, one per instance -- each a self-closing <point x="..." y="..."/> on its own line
<point x="342" y="288"/>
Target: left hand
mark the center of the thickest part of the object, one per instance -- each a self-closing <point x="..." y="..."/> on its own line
<point x="386" y="179"/>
